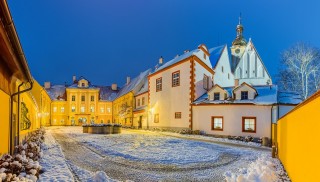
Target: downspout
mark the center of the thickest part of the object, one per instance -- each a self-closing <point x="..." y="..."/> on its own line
<point x="18" y="114"/>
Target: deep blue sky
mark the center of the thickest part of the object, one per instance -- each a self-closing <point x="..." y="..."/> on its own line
<point x="105" y="41"/>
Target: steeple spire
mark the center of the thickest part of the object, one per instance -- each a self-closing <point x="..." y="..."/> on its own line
<point x="239" y="39"/>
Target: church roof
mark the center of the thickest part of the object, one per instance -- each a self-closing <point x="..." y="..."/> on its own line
<point x="215" y="54"/>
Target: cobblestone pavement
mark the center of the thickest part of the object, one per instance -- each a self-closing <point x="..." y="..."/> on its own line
<point x="91" y="158"/>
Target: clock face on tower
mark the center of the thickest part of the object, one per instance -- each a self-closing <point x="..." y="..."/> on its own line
<point x="237" y="51"/>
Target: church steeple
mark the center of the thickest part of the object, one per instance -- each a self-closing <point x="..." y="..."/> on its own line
<point x="239" y="39"/>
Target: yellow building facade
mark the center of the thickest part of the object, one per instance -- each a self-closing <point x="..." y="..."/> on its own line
<point x="19" y="110"/>
<point x="80" y="103"/>
<point x="297" y="140"/>
<point x="122" y="109"/>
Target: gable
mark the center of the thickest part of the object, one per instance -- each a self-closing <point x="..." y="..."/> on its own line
<point x="251" y="65"/>
<point x="217" y="89"/>
<point x="252" y="92"/>
<point x="83" y="83"/>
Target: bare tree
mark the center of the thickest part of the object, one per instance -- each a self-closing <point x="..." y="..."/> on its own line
<point x="300" y="69"/>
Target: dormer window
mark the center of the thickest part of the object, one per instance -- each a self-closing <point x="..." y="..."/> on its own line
<point x="216" y="96"/>
<point x="244" y="95"/>
<point x="204" y="56"/>
<point x="222" y="69"/>
<point x="82" y="84"/>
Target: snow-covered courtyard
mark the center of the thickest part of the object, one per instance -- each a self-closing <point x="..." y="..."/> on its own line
<point x="137" y="155"/>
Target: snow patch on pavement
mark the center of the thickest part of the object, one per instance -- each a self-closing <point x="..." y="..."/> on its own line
<point x="53" y="161"/>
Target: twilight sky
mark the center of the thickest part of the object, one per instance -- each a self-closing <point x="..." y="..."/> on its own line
<point x="108" y="40"/>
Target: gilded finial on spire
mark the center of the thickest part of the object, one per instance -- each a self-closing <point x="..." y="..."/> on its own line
<point x="239" y="39"/>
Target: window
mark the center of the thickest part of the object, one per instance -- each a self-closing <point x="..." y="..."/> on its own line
<point x="249" y="124"/>
<point x="62" y="121"/>
<point x="143" y="101"/>
<point x="216" y="96"/>
<point x="177" y="115"/>
<point x="73" y="98"/>
<point x="176" y="79"/>
<point x="91" y="108"/>
<point x="204" y="56"/>
<point x="82" y="109"/>
<point x="222" y="69"/>
<point x="82" y="84"/>
<point x="54" y="109"/>
<point x="102" y="110"/>
<point x="92" y="98"/>
<point x="138" y="102"/>
<point x="217" y="123"/>
<point x="62" y="109"/>
<point x="229" y="76"/>
<point x="83" y="98"/>
<point x="109" y="110"/>
<point x="73" y="109"/>
<point x="159" y="84"/>
<point x="156" y="118"/>
<point x="205" y="82"/>
<point x="244" y="95"/>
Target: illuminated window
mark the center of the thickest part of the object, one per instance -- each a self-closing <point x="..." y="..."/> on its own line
<point x="62" y="109"/>
<point x="92" y="98"/>
<point x="205" y="82"/>
<point x="82" y="109"/>
<point x="176" y="79"/>
<point x="54" y="109"/>
<point x="143" y="101"/>
<point x="102" y="109"/>
<point x="73" y="109"/>
<point x="83" y="98"/>
<point x="109" y="110"/>
<point x="249" y="124"/>
<point x="156" y="118"/>
<point x="159" y="84"/>
<point x="244" y="95"/>
<point x="177" y="115"/>
<point x="92" y="109"/>
<point x="217" y="123"/>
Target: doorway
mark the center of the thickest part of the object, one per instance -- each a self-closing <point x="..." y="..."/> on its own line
<point x="140" y="123"/>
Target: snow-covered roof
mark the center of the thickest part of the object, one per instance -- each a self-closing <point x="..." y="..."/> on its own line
<point x="144" y="88"/>
<point x="135" y="84"/>
<point x="107" y="94"/>
<point x="267" y="95"/>
<point x="177" y="59"/>
<point x="215" y="54"/>
<point x="57" y="92"/>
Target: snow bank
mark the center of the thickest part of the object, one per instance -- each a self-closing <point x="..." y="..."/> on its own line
<point x="264" y="169"/>
<point x="53" y="162"/>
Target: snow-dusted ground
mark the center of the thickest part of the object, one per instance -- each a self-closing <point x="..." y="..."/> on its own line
<point x="155" y="156"/>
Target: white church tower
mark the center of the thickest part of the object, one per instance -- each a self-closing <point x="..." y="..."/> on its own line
<point x="246" y="64"/>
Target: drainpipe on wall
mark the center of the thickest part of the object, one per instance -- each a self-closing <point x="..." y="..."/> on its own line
<point x="12" y="143"/>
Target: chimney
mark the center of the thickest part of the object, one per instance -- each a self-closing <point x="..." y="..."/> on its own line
<point x="161" y="60"/>
<point x="114" y="86"/>
<point x="236" y="82"/>
<point x="128" y="80"/>
<point x="74" y="78"/>
<point x="177" y="56"/>
<point x="47" y="85"/>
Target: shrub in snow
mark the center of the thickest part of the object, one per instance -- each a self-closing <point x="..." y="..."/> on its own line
<point x="16" y="167"/>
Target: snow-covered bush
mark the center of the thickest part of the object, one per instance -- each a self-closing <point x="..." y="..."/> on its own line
<point x="23" y="165"/>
